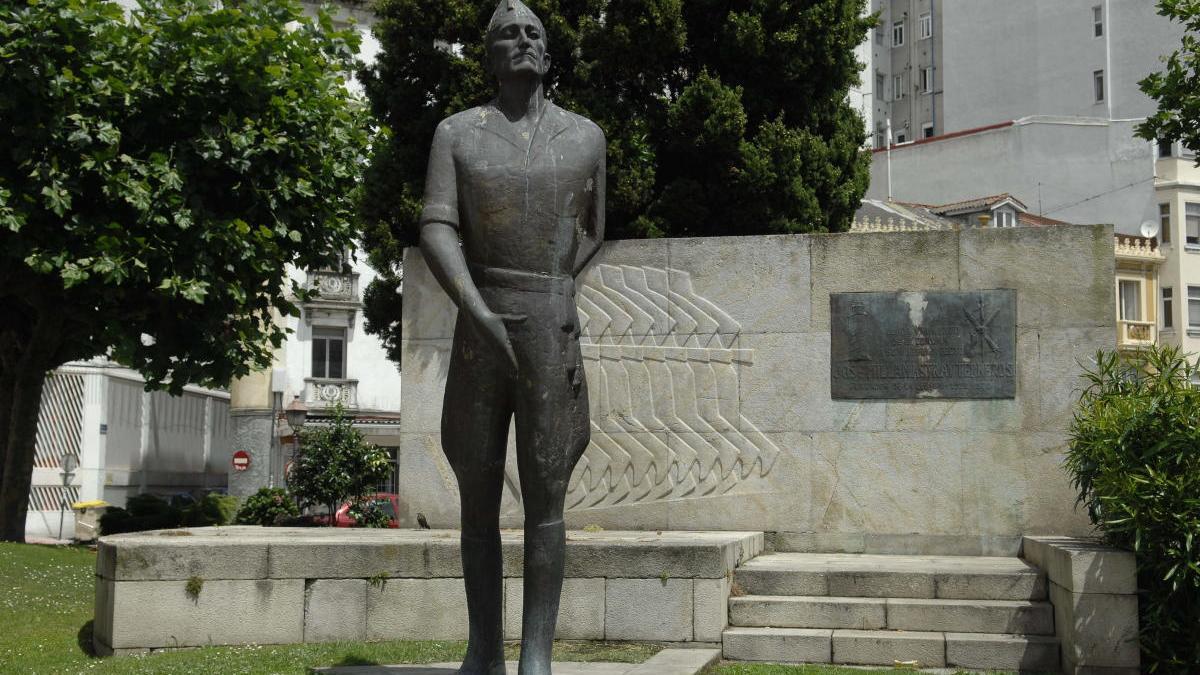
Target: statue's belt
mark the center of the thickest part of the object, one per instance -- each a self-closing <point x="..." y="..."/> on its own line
<point x="534" y="282"/>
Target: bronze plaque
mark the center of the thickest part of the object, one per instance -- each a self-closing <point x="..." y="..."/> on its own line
<point x="931" y="344"/>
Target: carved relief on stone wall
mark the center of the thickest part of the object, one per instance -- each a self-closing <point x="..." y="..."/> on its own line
<point x="664" y="367"/>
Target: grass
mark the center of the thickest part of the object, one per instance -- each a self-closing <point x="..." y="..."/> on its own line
<point x="46" y="596"/>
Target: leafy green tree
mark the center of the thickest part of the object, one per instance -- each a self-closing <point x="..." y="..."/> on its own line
<point x="1177" y="87"/>
<point x="336" y="465"/>
<point x="158" y="174"/>
<point x="722" y="118"/>
<point x="1135" y="457"/>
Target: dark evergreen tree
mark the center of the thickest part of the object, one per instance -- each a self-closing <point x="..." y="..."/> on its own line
<point x="722" y="117"/>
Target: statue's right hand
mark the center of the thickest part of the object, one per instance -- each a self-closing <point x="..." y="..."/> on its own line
<point x="494" y="328"/>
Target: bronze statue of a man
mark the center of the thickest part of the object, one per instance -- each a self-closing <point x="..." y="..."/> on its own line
<point x="521" y="182"/>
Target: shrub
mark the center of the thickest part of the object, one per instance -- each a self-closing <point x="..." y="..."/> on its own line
<point x="142" y="512"/>
<point x="1135" y="457"/>
<point x="267" y="507"/>
<point x="335" y="465"/>
<point x="212" y="509"/>
<point x="369" y="513"/>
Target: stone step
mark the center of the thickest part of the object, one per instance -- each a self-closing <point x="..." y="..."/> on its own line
<point x="907" y="614"/>
<point x="880" y="647"/>
<point x="891" y="576"/>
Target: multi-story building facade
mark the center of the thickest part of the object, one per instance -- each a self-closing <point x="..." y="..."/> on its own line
<point x="1177" y="187"/>
<point x="905" y="71"/>
<point x="972" y="63"/>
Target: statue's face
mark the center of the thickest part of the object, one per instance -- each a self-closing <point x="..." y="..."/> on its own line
<point x="518" y="48"/>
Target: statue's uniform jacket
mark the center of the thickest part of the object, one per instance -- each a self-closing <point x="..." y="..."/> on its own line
<point x="520" y="204"/>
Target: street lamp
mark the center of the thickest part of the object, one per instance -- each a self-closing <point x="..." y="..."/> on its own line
<point x="296" y="413"/>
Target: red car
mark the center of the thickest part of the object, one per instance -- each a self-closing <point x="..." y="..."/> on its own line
<point x="390" y="504"/>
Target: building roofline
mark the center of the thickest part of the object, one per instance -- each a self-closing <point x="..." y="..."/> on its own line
<point x="946" y="137"/>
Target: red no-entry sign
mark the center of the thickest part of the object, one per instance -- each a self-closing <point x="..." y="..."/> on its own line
<point x="241" y="460"/>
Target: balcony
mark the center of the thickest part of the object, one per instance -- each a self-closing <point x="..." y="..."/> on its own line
<point x="337" y="298"/>
<point x="322" y="393"/>
<point x="1135" y="334"/>
<point x="333" y="286"/>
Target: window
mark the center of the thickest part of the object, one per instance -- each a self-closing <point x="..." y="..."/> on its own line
<point x="927" y="130"/>
<point x="1164" y="223"/>
<point x="879" y="139"/>
<point x="925" y="26"/>
<point x="927" y="80"/>
<point x="1130" y="293"/>
<point x="879" y="84"/>
<point x="898" y="34"/>
<point x="1098" y="21"/>
<point x="1168" y="304"/>
<point x="1098" y="85"/>
<point x="901" y="138"/>
<point x="1193" y="306"/>
<point x="879" y="36"/>
<point x="390" y="484"/>
<point x="1006" y="218"/>
<point x="1191" y="230"/>
<point x="1165" y="148"/>
<point x="897" y="87"/>
<point x="329" y="353"/>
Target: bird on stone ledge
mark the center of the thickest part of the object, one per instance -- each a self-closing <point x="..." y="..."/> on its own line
<point x="422" y="522"/>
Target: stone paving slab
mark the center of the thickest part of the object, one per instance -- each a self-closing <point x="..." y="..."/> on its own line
<point x="666" y="662"/>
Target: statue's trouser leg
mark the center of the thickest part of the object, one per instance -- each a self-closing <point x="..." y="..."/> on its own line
<point x="553" y="429"/>
<point x="475" y="419"/>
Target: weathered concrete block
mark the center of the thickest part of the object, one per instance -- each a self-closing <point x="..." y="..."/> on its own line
<point x="417" y="609"/>
<point x="880" y="584"/>
<point x="808" y="612"/>
<point x="648" y="609"/>
<point x="984" y="586"/>
<point x="580" y="610"/>
<point x="335" y="609"/>
<point x="1001" y="652"/>
<point x="710" y="608"/>
<point x="992" y="258"/>
<point x="867" y="262"/>
<point x="677" y="662"/>
<point x="779" y="645"/>
<point x="157" y="556"/>
<point x="158" y="614"/>
<point x="887" y="647"/>
<point x="971" y="616"/>
<point x="1097" y="629"/>
<point x="1083" y="565"/>
<point x="304" y="558"/>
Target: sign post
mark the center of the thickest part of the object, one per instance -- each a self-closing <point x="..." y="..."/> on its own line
<point x="241" y="460"/>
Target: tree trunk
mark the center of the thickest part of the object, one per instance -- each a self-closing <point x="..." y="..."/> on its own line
<point x="18" y="461"/>
<point x="26" y="362"/>
<point x="7" y="384"/>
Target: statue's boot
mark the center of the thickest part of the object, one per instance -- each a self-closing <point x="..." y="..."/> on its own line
<point x="545" y="546"/>
<point x="483" y="575"/>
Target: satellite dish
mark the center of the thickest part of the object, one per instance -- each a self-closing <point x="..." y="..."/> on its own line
<point x="1150" y="229"/>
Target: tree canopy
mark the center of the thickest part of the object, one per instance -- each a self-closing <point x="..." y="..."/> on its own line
<point x="1176" y="88"/>
<point x="158" y="174"/>
<point x="722" y="118"/>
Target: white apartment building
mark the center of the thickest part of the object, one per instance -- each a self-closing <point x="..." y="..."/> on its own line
<point x="1177" y="187"/>
<point x="941" y="67"/>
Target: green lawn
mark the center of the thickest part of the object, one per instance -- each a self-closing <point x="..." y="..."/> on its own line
<point x="46" y="596"/>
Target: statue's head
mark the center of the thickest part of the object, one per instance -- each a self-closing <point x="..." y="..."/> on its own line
<point x="516" y="42"/>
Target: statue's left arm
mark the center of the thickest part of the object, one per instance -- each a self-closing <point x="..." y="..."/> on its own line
<point x="592" y="235"/>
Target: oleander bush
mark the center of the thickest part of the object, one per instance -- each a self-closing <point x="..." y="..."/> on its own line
<point x="268" y="506"/>
<point x="1135" y="457"/>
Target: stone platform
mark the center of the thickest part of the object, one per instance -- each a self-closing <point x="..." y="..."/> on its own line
<point x="666" y="662"/>
<point x="252" y="585"/>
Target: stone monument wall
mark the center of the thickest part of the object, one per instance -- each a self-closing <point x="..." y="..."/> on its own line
<point x="713" y="405"/>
